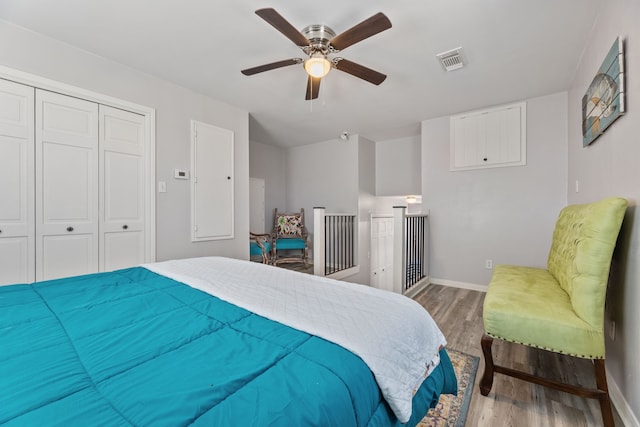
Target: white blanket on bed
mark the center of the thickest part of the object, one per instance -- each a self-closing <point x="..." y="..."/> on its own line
<point x="392" y="334"/>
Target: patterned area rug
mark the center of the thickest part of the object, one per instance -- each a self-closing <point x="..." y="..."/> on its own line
<point x="451" y="411"/>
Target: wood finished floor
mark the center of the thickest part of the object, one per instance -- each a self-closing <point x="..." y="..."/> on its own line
<point x="458" y="313"/>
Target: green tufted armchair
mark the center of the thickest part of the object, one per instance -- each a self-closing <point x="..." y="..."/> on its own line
<point x="560" y="309"/>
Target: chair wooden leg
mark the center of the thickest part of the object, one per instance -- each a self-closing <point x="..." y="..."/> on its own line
<point x="601" y="392"/>
<point x="605" y="402"/>
<point x="486" y="382"/>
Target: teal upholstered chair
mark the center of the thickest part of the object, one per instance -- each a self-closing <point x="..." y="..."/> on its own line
<point x="290" y="237"/>
<point x="561" y="308"/>
<point x="260" y="248"/>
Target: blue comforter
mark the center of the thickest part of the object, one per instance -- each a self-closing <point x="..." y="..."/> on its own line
<point x="135" y="348"/>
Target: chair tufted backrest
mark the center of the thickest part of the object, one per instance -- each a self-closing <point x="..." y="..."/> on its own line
<point x="580" y="257"/>
<point x="289" y="225"/>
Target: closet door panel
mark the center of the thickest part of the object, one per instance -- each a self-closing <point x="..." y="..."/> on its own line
<point x="123" y="249"/>
<point x="66" y="191"/>
<point x="68" y="254"/>
<point x="66" y="186"/>
<point x="17" y="260"/>
<point x="122" y="227"/>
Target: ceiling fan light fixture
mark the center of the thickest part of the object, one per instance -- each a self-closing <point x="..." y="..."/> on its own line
<point x="317" y="65"/>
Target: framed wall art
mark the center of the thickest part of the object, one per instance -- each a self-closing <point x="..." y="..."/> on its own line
<point x="604" y="101"/>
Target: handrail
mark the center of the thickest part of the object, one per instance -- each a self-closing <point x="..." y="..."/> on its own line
<point x="410" y="249"/>
<point x="334" y="242"/>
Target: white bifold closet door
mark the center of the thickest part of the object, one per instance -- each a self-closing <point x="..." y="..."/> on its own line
<point x="122" y="195"/>
<point x="17" y="258"/>
<point x="66" y="186"/>
<point x="72" y="186"/>
<point x="90" y="198"/>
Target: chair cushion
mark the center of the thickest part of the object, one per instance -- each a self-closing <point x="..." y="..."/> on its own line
<point x="289" y="225"/>
<point x="527" y="305"/>
<point x="254" y="249"/>
<point x="290" y="244"/>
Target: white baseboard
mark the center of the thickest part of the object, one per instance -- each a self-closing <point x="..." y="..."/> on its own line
<point x="463" y="285"/>
<point x="415" y="289"/>
<point x="627" y="416"/>
<point x="342" y="274"/>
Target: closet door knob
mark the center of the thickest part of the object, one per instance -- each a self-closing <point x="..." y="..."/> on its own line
<point x="124" y="227"/>
<point x="69" y="229"/>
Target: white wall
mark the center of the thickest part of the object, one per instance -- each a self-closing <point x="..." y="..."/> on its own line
<point x="268" y="162"/>
<point x="175" y="107"/>
<point x="610" y="166"/>
<point x="384" y="205"/>
<point x="324" y="175"/>
<point x="398" y="167"/>
<point x="504" y="214"/>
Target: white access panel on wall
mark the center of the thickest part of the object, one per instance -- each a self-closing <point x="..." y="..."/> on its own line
<point x="212" y="182"/>
<point x="122" y="183"/>
<point x="66" y="186"/>
<point x="17" y="259"/>
<point x="490" y="138"/>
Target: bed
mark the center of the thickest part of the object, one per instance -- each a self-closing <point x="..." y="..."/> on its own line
<point x="216" y="341"/>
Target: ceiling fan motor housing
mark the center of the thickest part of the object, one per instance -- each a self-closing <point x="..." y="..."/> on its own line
<point x="319" y="37"/>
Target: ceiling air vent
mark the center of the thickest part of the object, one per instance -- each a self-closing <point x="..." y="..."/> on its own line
<point x="451" y="59"/>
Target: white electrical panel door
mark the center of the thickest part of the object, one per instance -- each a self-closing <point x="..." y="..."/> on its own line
<point x="66" y="186"/>
<point x="212" y="182"/>
<point x="17" y="257"/>
<point x="122" y="184"/>
<point x="489" y="138"/>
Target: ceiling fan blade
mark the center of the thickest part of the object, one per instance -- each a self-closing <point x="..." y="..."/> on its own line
<point x="360" y="71"/>
<point x="367" y="28"/>
<point x="271" y="66"/>
<point x="313" y="87"/>
<point x="279" y="23"/>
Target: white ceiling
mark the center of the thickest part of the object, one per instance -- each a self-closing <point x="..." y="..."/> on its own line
<point x="515" y="49"/>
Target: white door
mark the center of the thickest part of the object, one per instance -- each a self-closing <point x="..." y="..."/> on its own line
<point x="66" y="186"/>
<point x="122" y="195"/>
<point x="17" y="256"/>
<point x="212" y="185"/>
<point x="382" y="252"/>
<point x="256" y="205"/>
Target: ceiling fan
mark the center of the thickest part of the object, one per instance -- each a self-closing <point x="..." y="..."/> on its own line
<point x="320" y="41"/>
